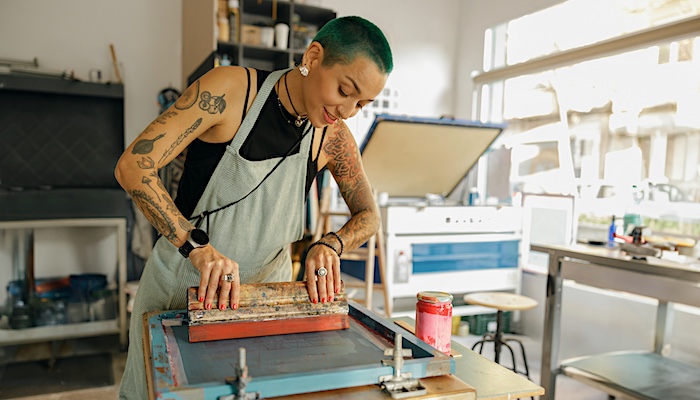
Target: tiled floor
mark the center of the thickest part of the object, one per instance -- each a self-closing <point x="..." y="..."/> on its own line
<point x="567" y="389"/>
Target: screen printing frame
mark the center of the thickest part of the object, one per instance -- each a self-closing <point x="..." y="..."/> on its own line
<point x="163" y="382"/>
<point x="399" y="153"/>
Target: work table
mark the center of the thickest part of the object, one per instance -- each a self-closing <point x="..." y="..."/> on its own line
<point x="636" y="374"/>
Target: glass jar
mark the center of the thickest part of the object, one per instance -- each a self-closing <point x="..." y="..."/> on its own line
<point x="434" y="319"/>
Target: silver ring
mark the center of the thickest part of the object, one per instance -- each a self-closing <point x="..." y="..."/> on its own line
<point x="322" y="271"/>
<point x="227" y="278"/>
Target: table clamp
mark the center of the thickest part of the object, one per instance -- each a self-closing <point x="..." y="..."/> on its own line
<point x="400" y="385"/>
<point x="240" y="381"/>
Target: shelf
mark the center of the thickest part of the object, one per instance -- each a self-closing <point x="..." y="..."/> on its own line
<point x="65" y="331"/>
<point x="9" y="337"/>
<point x="253" y="12"/>
<point x="252" y="50"/>
<point x="57" y="85"/>
<point x="639" y="375"/>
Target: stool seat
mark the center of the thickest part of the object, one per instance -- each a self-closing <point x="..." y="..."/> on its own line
<point x="501" y="301"/>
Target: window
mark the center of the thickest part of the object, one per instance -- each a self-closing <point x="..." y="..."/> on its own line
<point x="615" y="103"/>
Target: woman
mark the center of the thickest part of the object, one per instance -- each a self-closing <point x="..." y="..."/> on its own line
<point x="253" y="151"/>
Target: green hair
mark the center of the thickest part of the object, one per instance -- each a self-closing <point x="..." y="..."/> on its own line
<point x="343" y="39"/>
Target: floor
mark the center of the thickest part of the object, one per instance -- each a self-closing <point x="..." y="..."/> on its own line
<point x="567" y="389"/>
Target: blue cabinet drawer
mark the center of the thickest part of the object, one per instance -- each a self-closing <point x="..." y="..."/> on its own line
<point x="435" y="257"/>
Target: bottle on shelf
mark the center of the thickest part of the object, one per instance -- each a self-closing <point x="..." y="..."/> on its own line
<point x="234" y="20"/>
<point x="224" y="31"/>
<point x="611" y="232"/>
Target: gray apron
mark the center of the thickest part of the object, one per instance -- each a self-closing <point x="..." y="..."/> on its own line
<point x="256" y="233"/>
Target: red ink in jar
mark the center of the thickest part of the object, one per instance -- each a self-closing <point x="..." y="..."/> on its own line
<point x="434" y="319"/>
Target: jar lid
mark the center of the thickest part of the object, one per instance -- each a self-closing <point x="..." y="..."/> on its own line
<point x="434" y="297"/>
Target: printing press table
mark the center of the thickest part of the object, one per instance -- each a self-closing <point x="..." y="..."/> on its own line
<point x="642" y="374"/>
<point x="322" y="365"/>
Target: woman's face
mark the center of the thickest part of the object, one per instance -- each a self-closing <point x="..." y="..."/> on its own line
<point x="340" y="91"/>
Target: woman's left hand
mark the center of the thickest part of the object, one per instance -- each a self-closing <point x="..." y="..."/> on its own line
<point x="322" y="287"/>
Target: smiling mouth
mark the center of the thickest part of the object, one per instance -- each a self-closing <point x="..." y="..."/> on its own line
<point x="330" y="118"/>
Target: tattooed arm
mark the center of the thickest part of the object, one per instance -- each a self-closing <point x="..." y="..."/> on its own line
<point x="342" y="157"/>
<point x="203" y="111"/>
<point x="345" y="163"/>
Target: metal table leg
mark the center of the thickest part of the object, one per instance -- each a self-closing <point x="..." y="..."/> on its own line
<point x="552" y="322"/>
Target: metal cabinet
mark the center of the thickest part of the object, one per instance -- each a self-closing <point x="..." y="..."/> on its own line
<point x="454" y="249"/>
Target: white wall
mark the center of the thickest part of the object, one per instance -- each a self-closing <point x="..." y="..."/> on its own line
<point x="74" y="35"/>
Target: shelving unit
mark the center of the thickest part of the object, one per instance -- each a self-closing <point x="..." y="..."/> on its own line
<point x="253" y="12"/>
<point x="66" y="331"/>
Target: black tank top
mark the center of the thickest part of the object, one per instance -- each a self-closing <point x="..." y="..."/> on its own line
<point x="271" y="136"/>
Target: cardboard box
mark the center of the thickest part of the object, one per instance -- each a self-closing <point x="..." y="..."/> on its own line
<point x="251" y="35"/>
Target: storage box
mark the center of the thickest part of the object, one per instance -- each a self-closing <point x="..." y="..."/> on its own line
<point x="251" y="35"/>
<point x="482" y="323"/>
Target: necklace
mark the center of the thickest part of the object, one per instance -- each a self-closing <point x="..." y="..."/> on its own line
<point x="300" y="120"/>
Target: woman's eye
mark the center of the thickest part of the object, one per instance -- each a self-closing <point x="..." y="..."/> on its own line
<point x="342" y="93"/>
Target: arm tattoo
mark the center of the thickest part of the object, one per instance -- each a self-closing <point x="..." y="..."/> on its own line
<point x="163" y="117"/>
<point x="188" y="98"/>
<point x="185" y="224"/>
<point x="161" y="185"/>
<point x="148" y="181"/>
<point x="355" y="189"/>
<point x="145" y="146"/>
<point x="212" y="104"/>
<point x="180" y="138"/>
<point x="146" y="163"/>
<point x="154" y="213"/>
<point x="160" y="120"/>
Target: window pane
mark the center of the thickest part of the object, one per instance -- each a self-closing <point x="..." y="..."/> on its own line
<point x="577" y="23"/>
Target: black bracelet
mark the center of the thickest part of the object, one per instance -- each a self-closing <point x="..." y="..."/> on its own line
<point x="342" y="245"/>
<point x="325" y="244"/>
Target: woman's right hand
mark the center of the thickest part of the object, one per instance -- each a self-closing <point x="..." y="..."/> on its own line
<point x="212" y="267"/>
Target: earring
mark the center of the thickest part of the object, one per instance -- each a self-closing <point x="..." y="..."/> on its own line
<point x="304" y="71"/>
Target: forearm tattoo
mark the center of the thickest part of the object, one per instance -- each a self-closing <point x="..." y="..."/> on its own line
<point x="160" y="219"/>
<point x="354" y="187"/>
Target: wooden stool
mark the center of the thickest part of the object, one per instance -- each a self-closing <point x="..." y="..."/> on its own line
<point x="502" y="301"/>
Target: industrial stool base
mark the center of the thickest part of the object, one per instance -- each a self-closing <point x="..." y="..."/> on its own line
<point x="499" y="341"/>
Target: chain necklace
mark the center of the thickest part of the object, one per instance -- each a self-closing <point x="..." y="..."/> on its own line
<point x="300" y="120"/>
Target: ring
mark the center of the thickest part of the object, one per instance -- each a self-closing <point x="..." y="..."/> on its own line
<point x="322" y="271"/>
<point x="227" y="278"/>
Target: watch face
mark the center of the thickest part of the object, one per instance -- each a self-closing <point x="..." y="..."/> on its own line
<point x="199" y="236"/>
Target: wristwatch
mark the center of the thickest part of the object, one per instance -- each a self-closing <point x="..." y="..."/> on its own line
<point x="197" y="238"/>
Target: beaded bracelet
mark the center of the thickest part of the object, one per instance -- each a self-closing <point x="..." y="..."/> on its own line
<point x="342" y="245"/>
<point x="325" y="244"/>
